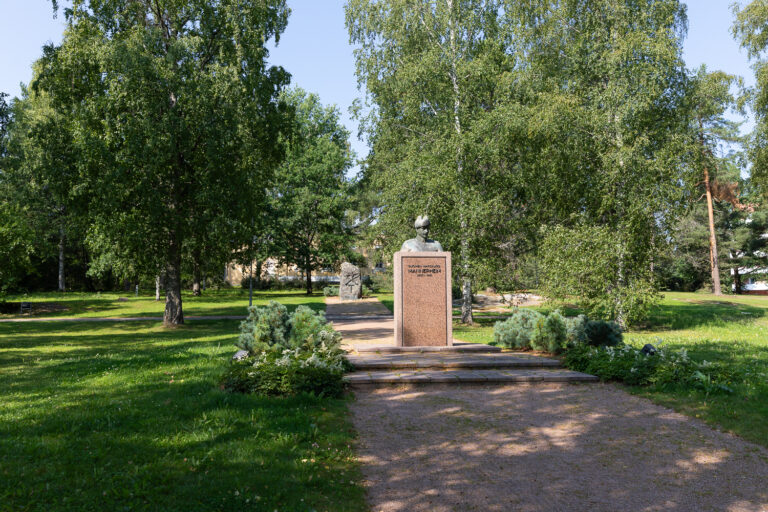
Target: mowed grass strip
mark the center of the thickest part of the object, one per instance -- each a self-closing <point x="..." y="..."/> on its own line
<point x="226" y="302"/>
<point x="129" y="417"/>
<point x="728" y="330"/>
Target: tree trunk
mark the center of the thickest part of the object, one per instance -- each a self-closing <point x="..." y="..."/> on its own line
<point x="257" y="275"/>
<point x="61" y="260"/>
<point x="308" y="273"/>
<point x="157" y="287"/>
<point x="736" y="280"/>
<point x="173" y="308"/>
<point x="713" y="260"/>
<point x="466" y="289"/>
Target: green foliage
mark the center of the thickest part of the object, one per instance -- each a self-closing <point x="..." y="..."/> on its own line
<point x="663" y="369"/>
<point x="309" y="198"/>
<point x="549" y="333"/>
<point x="271" y="329"/>
<point x="472" y="126"/>
<point x="264" y="329"/>
<point x="175" y="130"/>
<point x="603" y="334"/>
<point x="331" y="291"/>
<point x="576" y="330"/>
<point x="382" y="282"/>
<point x="288" y="354"/>
<point x="518" y="330"/>
<point x="597" y="268"/>
<point x="366" y="291"/>
<point x="272" y="379"/>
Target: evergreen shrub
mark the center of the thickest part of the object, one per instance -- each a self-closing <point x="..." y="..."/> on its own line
<point x="549" y="333"/>
<point x="331" y="291"/>
<point x="518" y="330"/>
<point x="600" y="333"/>
<point x="576" y="330"/>
<point x="287" y="354"/>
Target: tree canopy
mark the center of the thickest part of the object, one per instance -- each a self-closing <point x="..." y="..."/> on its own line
<point x="176" y="114"/>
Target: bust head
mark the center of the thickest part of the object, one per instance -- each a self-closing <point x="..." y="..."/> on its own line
<point x="422" y="227"/>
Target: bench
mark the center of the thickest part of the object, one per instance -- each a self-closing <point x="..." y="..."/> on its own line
<point x="26" y="307"/>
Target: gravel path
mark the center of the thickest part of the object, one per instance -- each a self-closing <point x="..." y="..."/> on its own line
<point x="548" y="447"/>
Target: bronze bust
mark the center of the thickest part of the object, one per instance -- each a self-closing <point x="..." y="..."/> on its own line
<point x="421" y="243"/>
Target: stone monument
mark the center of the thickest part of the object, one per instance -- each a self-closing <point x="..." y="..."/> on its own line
<point x="351" y="283"/>
<point x="423" y="305"/>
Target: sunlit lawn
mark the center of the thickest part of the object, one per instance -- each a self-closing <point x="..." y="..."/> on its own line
<point x="225" y="302"/>
<point x="129" y="416"/>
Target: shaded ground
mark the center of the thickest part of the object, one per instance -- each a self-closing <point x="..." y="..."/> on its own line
<point x="548" y="447"/>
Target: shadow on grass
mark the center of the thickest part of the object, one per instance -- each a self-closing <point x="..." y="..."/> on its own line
<point x="689" y="316"/>
<point x="117" y="418"/>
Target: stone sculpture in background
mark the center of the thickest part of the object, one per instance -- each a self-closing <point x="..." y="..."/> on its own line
<point x="351" y="283"/>
<point x="421" y="243"/>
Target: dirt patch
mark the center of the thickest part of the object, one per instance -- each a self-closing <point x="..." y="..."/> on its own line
<point x="548" y="447"/>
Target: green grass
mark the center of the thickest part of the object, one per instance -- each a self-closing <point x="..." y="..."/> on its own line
<point x="732" y="330"/>
<point x="129" y="416"/>
<point x="212" y="303"/>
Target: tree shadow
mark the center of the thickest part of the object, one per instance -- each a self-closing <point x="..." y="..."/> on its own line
<point x="543" y="448"/>
<point x="705" y="312"/>
<point x="114" y="418"/>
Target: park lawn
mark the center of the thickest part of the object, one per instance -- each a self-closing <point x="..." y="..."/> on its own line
<point x="730" y="330"/>
<point x="225" y="302"/>
<point x="129" y="416"/>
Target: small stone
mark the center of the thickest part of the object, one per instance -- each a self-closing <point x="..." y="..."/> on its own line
<point x="240" y="355"/>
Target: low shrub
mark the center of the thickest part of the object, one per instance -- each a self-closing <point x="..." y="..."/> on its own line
<point x="600" y="333"/>
<point x="517" y="330"/>
<point x="290" y="373"/>
<point x="331" y="291"/>
<point x="381" y="282"/>
<point x="366" y="291"/>
<point x="549" y="333"/>
<point x="287" y="354"/>
<point x="576" y="330"/>
<point x="632" y="366"/>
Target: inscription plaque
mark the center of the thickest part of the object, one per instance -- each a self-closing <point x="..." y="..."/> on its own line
<point x="423" y="299"/>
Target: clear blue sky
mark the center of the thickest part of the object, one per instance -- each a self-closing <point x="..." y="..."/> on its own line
<point x="315" y="47"/>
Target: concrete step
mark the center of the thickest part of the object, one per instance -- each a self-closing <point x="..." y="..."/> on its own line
<point x="456" y="347"/>
<point x="461" y="376"/>
<point x="509" y="360"/>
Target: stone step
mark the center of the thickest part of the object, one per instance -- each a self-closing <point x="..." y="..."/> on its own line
<point x="456" y="347"/>
<point x="369" y="362"/>
<point x="461" y="376"/>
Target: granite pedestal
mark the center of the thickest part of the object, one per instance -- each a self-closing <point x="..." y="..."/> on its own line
<point x="423" y="299"/>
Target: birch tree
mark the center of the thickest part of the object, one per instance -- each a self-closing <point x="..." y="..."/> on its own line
<point x="431" y="70"/>
<point x="176" y="113"/>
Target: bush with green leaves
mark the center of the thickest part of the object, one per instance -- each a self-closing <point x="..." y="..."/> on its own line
<point x="549" y="333"/>
<point x="367" y="291"/>
<point x="517" y="330"/>
<point x="600" y="333"/>
<point x="331" y="291"/>
<point x="632" y="366"/>
<point x="290" y="373"/>
<point x="287" y="353"/>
